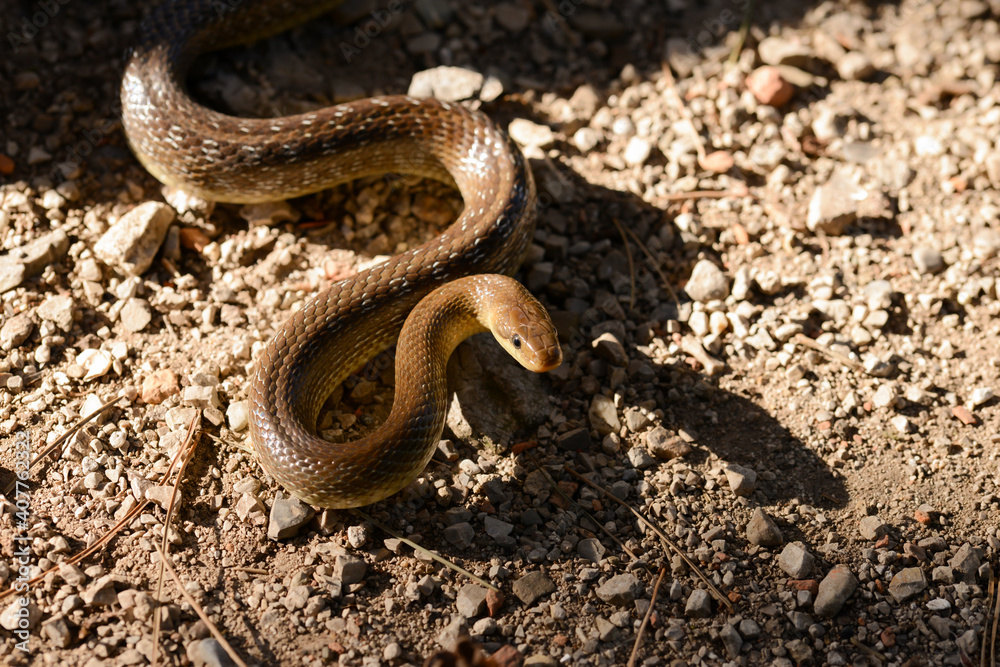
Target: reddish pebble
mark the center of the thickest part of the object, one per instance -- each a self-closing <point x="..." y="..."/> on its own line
<point x="734" y="597"/>
<point x="888" y="638"/>
<point x="769" y="87"/>
<point x="913" y="551"/>
<point x="523" y="446"/>
<point x="824" y="425"/>
<point x="719" y="162"/>
<point x="193" y="239"/>
<point x="6" y="165"/>
<point x="505" y="656"/>
<point x="923" y="517"/>
<point x="159" y="386"/>
<point x="963" y="415"/>
<point x="810" y="585"/>
<point x="494" y="601"/>
<point x="883" y="542"/>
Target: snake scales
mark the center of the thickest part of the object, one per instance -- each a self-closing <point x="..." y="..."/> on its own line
<point x="229" y="159"/>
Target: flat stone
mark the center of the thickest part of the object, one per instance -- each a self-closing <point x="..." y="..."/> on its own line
<point x="528" y="133"/>
<point x="15" y="612"/>
<point x="130" y="244"/>
<point x="855" y="66"/>
<point x="838" y="585"/>
<point x="833" y="206"/>
<point x="59" y="310"/>
<point x="135" y="315"/>
<point x="471" y="600"/>
<point x="31" y="259"/>
<point x="496" y="528"/>
<point x="449" y="84"/>
<point x="101" y="593"/>
<point x="15" y="331"/>
<point x="796" y="561"/>
<point x="591" y="549"/>
<point x="248" y="504"/>
<point x="621" y="589"/>
<point x="872" y="528"/>
<point x="350" y="569"/>
<point x="288" y="516"/>
<point x="208" y="653"/>
<point x="762" y="530"/>
<point x="907" y="583"/>
<point x="665" y="446"/>
<point x="531" y="587"/>
<point x="707" y="282"/>
<point x="58" y="631"/>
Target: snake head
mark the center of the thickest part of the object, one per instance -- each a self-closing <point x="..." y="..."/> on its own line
<point x="522" y="327"/>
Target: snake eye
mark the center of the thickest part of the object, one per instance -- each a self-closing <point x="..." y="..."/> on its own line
<point x="516" y="341"/>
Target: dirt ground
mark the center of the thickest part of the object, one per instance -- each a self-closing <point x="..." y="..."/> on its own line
<point x="767" y="233"/>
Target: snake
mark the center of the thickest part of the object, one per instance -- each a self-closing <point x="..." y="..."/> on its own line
<point x="426" y="299"/>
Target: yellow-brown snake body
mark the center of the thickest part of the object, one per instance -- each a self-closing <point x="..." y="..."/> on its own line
<point x="231" y="159"/>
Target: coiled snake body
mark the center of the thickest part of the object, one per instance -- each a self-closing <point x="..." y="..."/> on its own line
<point x="231" y="159"/>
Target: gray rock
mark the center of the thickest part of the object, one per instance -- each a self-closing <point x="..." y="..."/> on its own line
<point x="449" y="84"/>
<point x="621" y="589"/>
<point x="731" y="640"/>
<point x="72" y="574"/>
<point x="966" y="563"/>
<point x="603" y="415"/>
<point x="907" y="583"/>
<point x="780" y="51"/>
<point x="942" y="574"/>
<point x="288" y="516"/>
<point x="31" y="259"/>
<point x="942" y="626"/>
<point x="662" y="445"/>
<point x="460" y="534"/>
<point x="796" y="560"/>
<point x="707" y="282"/>
<point x="927" y="259"/>
<point x="749" y="628"/>
<point x="58" y="631"/>
<point x="496" y="528"/>
<point x="838" y="585"/>
<point x="968" y="642"/>
<point x="208" y="653"/>
<point x="471" y="600"/>
<point x="350" y="569"/>
<point x="872" y="528"/>
<point x="591" y="549"/>
<point x="699" y="604"/>
<point x="15" y="331"/>
<point x="531" y="587"/>
<point x="762" y="530"/>
<point x="130" y="244"/>
<point x="640" y="458"/>
<point x="742" y="480"/>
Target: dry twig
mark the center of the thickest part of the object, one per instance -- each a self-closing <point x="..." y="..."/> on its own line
<point x="645" y="619"/>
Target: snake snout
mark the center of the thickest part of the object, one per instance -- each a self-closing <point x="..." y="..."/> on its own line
<point x="524" y="328"/>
